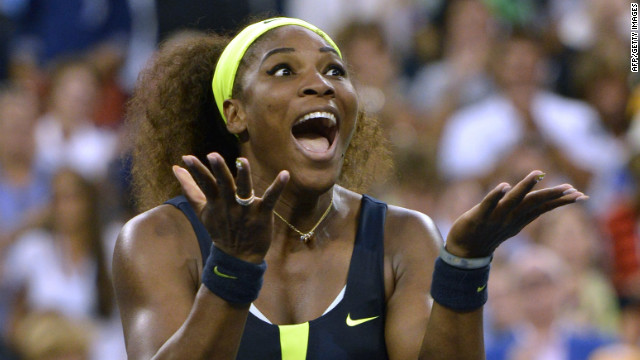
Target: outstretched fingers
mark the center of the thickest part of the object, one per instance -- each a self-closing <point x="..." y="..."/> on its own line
<point x="514" y="197"/>
<point x="537" y="197"/>
<point x="191" y="190"/>
<point x="548" y="199"/>
<point x="225" y="181"/>
<point x="202" y="176"/>
<point x="541" y="201"/>
<point x="491" y="200"/>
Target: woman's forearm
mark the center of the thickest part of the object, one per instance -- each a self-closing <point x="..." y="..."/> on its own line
<point x="212" y="330"/>
<point x="453" y="335"/>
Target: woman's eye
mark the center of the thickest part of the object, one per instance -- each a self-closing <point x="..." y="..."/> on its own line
<point x="335" y="71"/>
<point x="280" y="70"/>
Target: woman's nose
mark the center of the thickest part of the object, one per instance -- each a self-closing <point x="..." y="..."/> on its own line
<point x="317" y="84"/>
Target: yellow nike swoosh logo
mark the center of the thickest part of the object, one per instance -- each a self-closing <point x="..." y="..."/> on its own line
<point x="215" y="271"/>
<point x="351" y="322"/>
<point x="480" y="288"/>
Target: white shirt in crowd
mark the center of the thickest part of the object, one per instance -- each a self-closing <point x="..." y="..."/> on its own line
<point x="88" y="150"/>
<point x="477" y="137"/>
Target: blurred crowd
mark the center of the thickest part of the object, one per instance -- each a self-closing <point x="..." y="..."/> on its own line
<point x="470" y="93"/>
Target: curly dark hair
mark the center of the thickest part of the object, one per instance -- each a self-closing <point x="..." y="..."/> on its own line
<point x="172" y="113"/>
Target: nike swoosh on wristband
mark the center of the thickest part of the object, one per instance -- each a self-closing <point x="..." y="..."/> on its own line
<point x="352" y="322"/>
<point x="215" y="271"/>
<point x="480" y="288"/>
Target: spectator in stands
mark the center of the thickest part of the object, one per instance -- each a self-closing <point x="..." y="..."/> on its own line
<point x="66" y="134"/>
<point x="622" y="228"/>
<point x="377" y="77"/>
<point x="537" y="280"/>
<point x="71" y="276"/>
<point x="51" y="336"/>
<point x="460" y="77"/>
<point x="477" y="137"/>
<point x="24" y="185"/>
<point x="49" y="29"/>
<point x="574" y="235"/>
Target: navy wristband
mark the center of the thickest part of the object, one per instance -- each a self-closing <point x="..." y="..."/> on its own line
<point x="234" y="280"/>
<point x="459" y="289"/>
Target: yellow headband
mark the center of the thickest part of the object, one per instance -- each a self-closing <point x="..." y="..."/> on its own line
<point x="227" y="66"/>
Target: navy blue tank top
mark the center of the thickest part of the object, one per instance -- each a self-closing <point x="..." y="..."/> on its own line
<point x="353" y="329"/>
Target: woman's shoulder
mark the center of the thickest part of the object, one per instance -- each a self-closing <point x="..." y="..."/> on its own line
<point x="410" y="229"/>
<point x="160" y="220"/>
<point x="156" y="253"/>
<point x="162" y="227"/>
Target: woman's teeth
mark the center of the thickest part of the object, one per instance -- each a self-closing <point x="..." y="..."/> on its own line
<point x="329" y="118"/>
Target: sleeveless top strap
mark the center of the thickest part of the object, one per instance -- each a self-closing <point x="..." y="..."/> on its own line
<point x="366" y="271"/>
<point x="204" y="240"/>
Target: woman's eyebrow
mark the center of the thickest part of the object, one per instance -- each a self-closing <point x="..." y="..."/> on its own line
<point x="329" y="49"/>
<point x="276" y="51"/>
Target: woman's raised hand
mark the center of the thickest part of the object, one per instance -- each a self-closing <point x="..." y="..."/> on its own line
<point x="239" y="228"/>
<point x="503" y="213"/>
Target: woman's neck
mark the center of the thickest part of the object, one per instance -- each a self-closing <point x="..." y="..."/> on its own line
<point x="303" y="220"/>
<point x="294" y="201"/>
<point x="303" y="208"/>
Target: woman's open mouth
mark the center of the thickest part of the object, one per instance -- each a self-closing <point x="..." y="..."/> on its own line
<point x="316" y="131"/>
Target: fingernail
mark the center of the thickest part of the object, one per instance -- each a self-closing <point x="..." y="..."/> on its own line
<point x="569" y="191"/>
<point x="177" y="170"/>
<point x="187" y="160"/>
<point x="239" y="164"/>
<point x="582" y="198"/>
<point x="213" y="160"/>
<point x="506" y="188"/>
<point x="540" y="177"/>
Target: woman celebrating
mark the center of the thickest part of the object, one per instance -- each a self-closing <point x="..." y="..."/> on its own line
<point x="348" y="277"/>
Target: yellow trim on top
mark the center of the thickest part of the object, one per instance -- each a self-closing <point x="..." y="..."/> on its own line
<point x="294" y="340"/>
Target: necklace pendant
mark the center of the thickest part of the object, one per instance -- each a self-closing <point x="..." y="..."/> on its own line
<point x="305" y="237"/>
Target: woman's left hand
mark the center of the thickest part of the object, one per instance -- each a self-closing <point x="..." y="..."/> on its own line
<point x="503" y="213"/>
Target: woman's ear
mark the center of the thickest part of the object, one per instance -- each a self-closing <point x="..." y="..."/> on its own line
<point x="236" y="119"/>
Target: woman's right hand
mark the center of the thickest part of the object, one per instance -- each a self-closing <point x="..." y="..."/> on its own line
<point x="243" y="231"/>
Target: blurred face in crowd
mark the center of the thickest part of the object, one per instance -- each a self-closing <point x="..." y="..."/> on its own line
<point x="519" y="64"/>
<point x="538" y="283"/>
<point x="469" y="23"/>
<point x="371" y="61"/>
<point x="572" y="235"/>
<point x="610" y="15"/>
<point x="537" y="291"/>
<point x="18" y="114"/>
<point x="609" y="95"/>
<point x="71" y="201"/>
<point x="74" y="93"/>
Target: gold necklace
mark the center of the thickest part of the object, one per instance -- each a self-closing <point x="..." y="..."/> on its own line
<point x="305" y="237"/>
